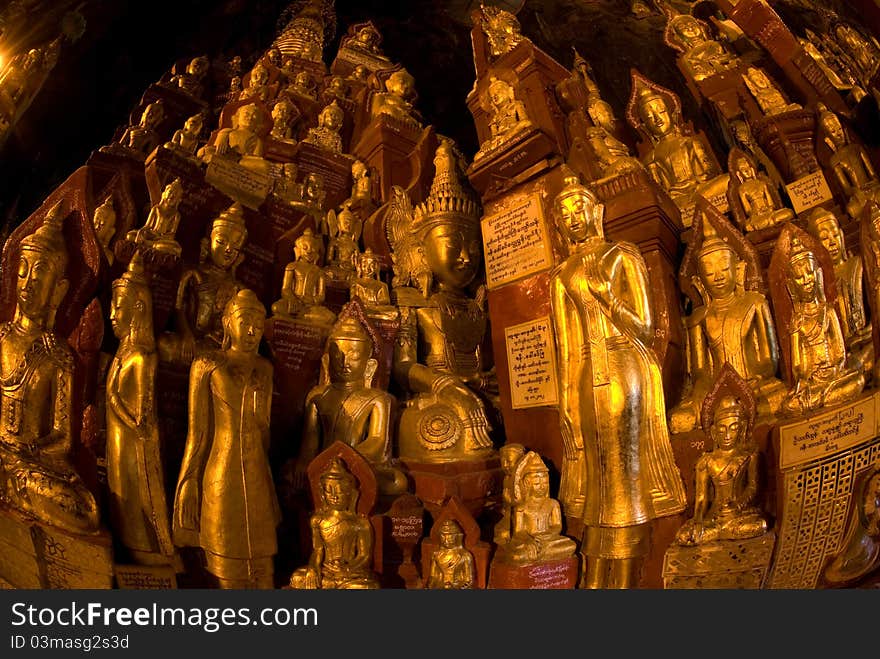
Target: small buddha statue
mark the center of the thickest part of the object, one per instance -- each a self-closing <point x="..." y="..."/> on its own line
<point x="752" y="196"/>
<point x="397" y="99"/>
<point x="313" y="193"/>
<point x="286" y="186"/>
<point x="849" y="163"/>
<point x="186" y="140"/>
<point x="303" y="84"/>
<point x="366" y="39"/>
<point x="304" y="284"/>
<point x="701" y="56"/>
<point x="346" y="407"/>
<point x="204" y="290"/>
<point x="225" y="500"/>
<point x="359" y="73"/>
<point x="343" y="247"/>
<point x="258" y="84"/>
<point x="452" y="565"/>
<point x="859" y="550"/>
<point x="502" y="30"/>
<point x="326" y="134"/>
<point x="726" y="480"/>
<point x="730" y="325"/>
<point x="510" y="455"/>
<point x="37" y="476"/>
<point x="104" y="222"/>
<point x="679" y="163"/>
<point x="818" y="352"/>
<point x="850" y="301"/>
<point x="135" y="472"/>
<point x="158" y="232"/>
<point x="769" y="98"/>
<point x="536" y="530"/>
<point x="242" y="141"/>
<point x="507" y="116"/>
<point x="342" y="539"/>
<point x="369" y="288"/>
<point x="336" y="89"/>
<point x="362" y="186"/>
<point x="283" y="113"/>
<point x="144" y="137"/>
<point x="192" y="80"/>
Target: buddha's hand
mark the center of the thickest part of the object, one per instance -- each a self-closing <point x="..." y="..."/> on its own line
<point x="470" y="408"/>
<point x="599" y="284"/>
<point x="187" y="509"/>
<point x="187" y="347"/>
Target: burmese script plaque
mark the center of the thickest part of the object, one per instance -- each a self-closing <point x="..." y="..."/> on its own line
<point x="515" y="242"/>
<point x="145" y="577"/>
<point x="531" y="362"/>
<point x="561" y="574"/>
<point x="808" y="192"/>
<point x="240" y="183"/>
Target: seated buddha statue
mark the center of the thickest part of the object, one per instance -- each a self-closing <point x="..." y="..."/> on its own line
<point x="507" y="116"/>
<point x="303" y="85"/>
<point x="186" y="140"/>
<point x="680" y="164"/>
<point x="346" y="407"/>
<point x="818" y="352"/>
<point x="192" y="79"/>
<point x="242" y="141"/>
<point x="438" y="354"/>
<point x="701" y="56"/>
<point x="158" y="232"/>
<point x="850" y="301"/>
<point x="397" y="99"/>
<point x="304" y="284"/>
<point x="282" y="117"/>
<point x="370" y="289"/>
<point x="326" y="133"/>
<point x="143" y="137"/>
<point x="205" y="289"/>
<point x="752" y="196"/>
<point x="731" y="326"/>
<point x="258" y="84"/>
<point x="726" y="480"/>
<point x="342" y="539"/>
<point x="536" y="530"/>
<point x="452" y="565"/>
<point x="343" y="247"/>
<point x="37" y="390"/>
<point x="769" y="98"/>
<point x="850" y="164"/>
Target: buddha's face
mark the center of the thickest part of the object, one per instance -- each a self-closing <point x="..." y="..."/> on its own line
<point x="152" y="116"/>
<point x="537" y="483"/>
<point x="400" y="84"/>
<point x="226" y="244"/>
<point x="290" y="171"/>
<point x="690" y="30"/>
<point x="367" y="38"/>
<point x="104" y="222"/>
<point x="578" y="214"/>
<point x="829" y="234"/>
<point x="193" y="125"/>
<point x="453" y="254"/>
<point x="198" y="67"/>
<point x="38" y="284"/>
<point x="307" y="250"/>
<point x="834" y="129"/>
<point x="348" y="359"/>
<point x="358" y="169"/>
<point x="450" y="538"/>
<point x="509" y="458"/>
<point x="718" y="272"/>
<point x="259" y="76"/>
<point x="331" y="120"/>
<point x="803" y="279"/>
<point x="369" y="267"/>
<point x="172" y="195"/>
<point x="314" y="186"/>
<point x="656" y="116"/>
<point x="281" y="114"/>
<point x="235" y="84"/>
<point x="500" y="94"/>
<point x="744" y="170"/>
<point x="602" y="115"/>
<point x="244" y="329"/>
<point x="337" y="493"/>
<point x="727" y="428"/>
<point x="124" y="308"/>
<point x="248" y="118"/>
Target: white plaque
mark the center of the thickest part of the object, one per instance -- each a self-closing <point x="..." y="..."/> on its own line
<point x="531" y="364"/>
<point x="808" y="192"/>
<point x="515" y="242"/>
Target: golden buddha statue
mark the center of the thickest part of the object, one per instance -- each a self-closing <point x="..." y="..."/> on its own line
<point x="204" y="290"/>
<point x="726" y="478"/>
<point x="510" y="455"/>
<point x="346" y="407"/>
<point x="242" y="141"/>
<point x="859" y="550"/>
<point x="862" y="51"/>
<point x="304" y="284"/>
<point x="502" y="29"/>
<point x="186" y="139"/>
<point x="452" y="565"/>
<point x="507" y="116"/>
<point x="104" y="223"/>
<point x="282" y="117"/>
<point x="342" y="539"/>
<point x="326" y="133"/>
<point x="752" y="196"/>
<point x="225" y="500"/>
<point x="679" y="163"/>
<point x="367" y="40"/>
<point x="343" y="247"/>
<point x="258" y="84"/>
<point x="313" y="192"/>
<point x="37" y="476"/>
<point x="135" y="476"/>
<point x="370" y="289"/>
<point x="303" y="85"/>
<point x="361" y="187"/>
<point x="336" y="89"/>
<point x="192" y="79"/>
<point x="536" y="528"/>
<point x="730" y="324"/>
<point x="158" y="232"/>
<point x="618" y="471"/>
<point x="850" y="164"/>
<point x="701" y="56"/>
<point x="769" y="98"/>
<point x="818" y="352"/>
<point x="850" y="301"/>
<point x="397" y="99"/>
<point x="438" y="354"/>
<point x="870" y="242"/>
<point x="144" y="137"/>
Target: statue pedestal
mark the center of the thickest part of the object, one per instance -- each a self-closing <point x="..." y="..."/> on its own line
<point x="334" y="168"/>
<point x="816" y="462"/>
<point x="384" y="146"/>
<point x="477" y="483"/>
<point x="561" y="574"/>
<point x="723" y="564"/>
<point x="38" y="556"/>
